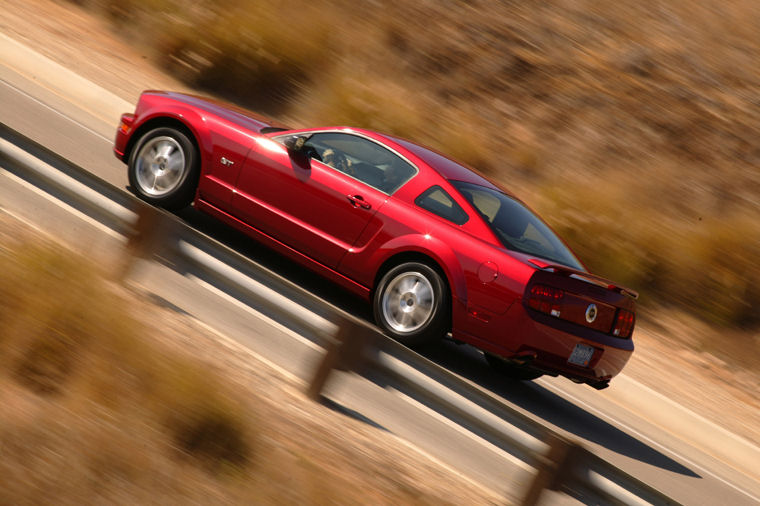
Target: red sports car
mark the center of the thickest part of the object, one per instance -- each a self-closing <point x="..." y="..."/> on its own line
<point x="433" y="246"/>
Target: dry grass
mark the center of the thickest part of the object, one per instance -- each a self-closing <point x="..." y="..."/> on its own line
<point x="638" y="117"/>
<point x="95" y="401"/>
<point x="102" y="407"/>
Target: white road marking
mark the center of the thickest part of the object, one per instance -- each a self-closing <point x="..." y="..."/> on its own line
<point x="234" y="345"/>
<point x="445" y="466"/>
<point x="622" y="425"/>
<point x="33" y="226"/>
<point x="474" y="437"/>
<point x="56" y="111"/>
<point x="95" y="223"/>
<point x="255" y="313"/>
<point x="702" y="420"/>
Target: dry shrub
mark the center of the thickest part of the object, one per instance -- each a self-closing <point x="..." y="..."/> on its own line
<point x="67" y="332"/>
<point x="47" y="363"/>
<point x="204" y="420"/>
<point x="706" y="265"/>
<point x="259" y="54"/>
<point x="46" y="315"/>
<point x="720" y="269"/>
<point x="59" y="453"/>
<point x="464" y="134"/>
<point x="346" y="98"/>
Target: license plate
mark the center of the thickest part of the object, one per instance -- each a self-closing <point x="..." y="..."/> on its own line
<point x="581" y="355"/>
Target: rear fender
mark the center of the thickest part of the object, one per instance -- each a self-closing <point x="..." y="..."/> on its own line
<point x="435" y="249"/>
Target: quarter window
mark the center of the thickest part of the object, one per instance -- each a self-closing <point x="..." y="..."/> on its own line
<point x="437" y="201"/>
<point x="516" y="226"/>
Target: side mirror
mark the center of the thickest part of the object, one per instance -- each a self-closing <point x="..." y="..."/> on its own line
<point x="294" y="145"/>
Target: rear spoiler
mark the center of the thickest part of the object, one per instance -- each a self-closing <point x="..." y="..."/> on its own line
<point x="585" y="276"/>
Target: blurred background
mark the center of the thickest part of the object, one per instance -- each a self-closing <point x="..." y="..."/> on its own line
<point x="631" y="126"/>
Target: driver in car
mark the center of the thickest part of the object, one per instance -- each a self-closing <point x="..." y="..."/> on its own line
<point x="337" y="160"/>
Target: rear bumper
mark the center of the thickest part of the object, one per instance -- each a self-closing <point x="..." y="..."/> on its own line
<point x="546" y="343"/>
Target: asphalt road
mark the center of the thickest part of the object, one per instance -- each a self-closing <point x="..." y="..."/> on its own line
<point x="654" y="454"/>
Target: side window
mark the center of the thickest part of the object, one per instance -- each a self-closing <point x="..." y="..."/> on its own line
<point x="437" y="201"/>
<point x="361" y="159"/>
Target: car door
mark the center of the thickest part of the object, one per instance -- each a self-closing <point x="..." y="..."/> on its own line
<point x="304" y="202"/>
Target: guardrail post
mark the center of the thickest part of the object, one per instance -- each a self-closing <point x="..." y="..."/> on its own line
<point x="345" y="352"/>
<point x="554" y="468"/>
<point x="145" y="239"/>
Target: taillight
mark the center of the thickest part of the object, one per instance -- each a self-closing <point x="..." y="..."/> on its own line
<point x="546" y="299"/>
<point x="624" y="323"/>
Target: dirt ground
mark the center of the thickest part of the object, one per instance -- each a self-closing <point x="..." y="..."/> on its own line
<point x="676" y="356"/>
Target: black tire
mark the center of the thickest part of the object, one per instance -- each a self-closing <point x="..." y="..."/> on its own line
<point x="512" y="370"/>
<point x="412" y="304"/>
<point x="163" y="168"/>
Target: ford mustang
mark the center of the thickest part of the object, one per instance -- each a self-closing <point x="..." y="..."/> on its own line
<point x="432" y="245"/>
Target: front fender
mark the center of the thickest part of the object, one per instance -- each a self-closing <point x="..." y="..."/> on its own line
<point x="149" y="116"/>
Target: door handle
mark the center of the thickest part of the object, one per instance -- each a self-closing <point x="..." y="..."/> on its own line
<point x="358" y="201"/>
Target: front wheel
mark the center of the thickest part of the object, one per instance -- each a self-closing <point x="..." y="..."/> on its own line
<point x="411" y="304"/>
<point x="163" y="168"/>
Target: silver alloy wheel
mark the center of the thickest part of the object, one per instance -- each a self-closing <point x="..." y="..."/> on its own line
<point x="408" y="302"/>
<point x="160" y="166"/>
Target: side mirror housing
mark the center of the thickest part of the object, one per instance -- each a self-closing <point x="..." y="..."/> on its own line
<point x="295" y="145"/>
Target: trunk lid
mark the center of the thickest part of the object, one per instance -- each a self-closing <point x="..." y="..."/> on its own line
<point x="581" y="298"/>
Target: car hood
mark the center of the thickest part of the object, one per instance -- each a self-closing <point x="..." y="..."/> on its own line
<point x="230" y="112"/>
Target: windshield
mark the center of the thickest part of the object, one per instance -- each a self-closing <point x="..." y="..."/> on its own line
<point x="516" y="226"/>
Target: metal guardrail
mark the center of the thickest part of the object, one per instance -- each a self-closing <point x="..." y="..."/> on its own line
<point x="351" y="344"/>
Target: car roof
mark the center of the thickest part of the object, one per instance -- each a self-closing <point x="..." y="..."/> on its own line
<point x="445" y="166"/>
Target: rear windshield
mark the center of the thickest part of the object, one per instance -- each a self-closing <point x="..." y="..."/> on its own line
<point x="516" y="226"/>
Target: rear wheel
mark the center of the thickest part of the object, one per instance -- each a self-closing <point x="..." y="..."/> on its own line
<point x="512" y="370"/>
<point x="411" y="304"/>
<point x="163" y="168"/>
